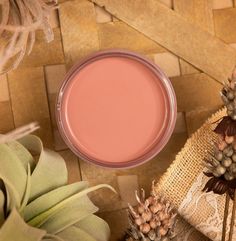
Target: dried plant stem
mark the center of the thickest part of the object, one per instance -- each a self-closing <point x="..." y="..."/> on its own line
<point x="19" y="21"/>
<point x="226" y="213"/>
<point x="19" y="132"/>
<point x="231" y="232"/>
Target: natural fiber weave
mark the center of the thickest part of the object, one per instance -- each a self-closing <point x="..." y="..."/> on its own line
<point x="183" y="182"/>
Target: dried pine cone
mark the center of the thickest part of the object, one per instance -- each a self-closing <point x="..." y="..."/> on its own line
<point x="152" y="219"/>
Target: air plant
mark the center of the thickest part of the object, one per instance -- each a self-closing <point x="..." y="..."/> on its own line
<point x="36" y="203"/>
<point x="19" y="20"/>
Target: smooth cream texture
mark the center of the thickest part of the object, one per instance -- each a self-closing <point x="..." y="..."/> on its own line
<point x="114" y="109"/>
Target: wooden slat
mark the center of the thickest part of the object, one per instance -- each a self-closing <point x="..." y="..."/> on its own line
<point x="200" y="13"/>
<point x="196" y="11"/>
<point x="183" y="38"/>
<point x="6" y="118"/>
<point x="127" y="185"/>
<point x="72" y="164"/>
<point x="196" y="118"/>
<point x="4" y="91"/>
<point x="219" y="4"/>
<point x="196" y="91"/>
<point x="29" y="100"/>
<point x="169" y="63"/>
<point x="45" y="53"/>
<point x="102" y="16"/>
<point x="187" y="68"/>
<point x="79" y="30"/>
<point x="120" y="35"/>
<point x="225" y="24"/>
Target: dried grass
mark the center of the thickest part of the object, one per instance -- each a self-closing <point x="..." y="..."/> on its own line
<point x="19" y="19"/>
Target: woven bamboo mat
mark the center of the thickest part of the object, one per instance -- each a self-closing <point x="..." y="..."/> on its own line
<point x="192" y="41"/>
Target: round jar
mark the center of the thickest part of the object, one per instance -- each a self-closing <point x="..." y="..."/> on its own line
<point x="116" y="109"/>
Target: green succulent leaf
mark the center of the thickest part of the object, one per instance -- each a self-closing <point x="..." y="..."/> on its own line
<point x="76" y="210"/>
<point x="75" y="234"/>
<point x="36" y="204"/>
<point x="23" y="154"/>
<point x="15" y="228"/>
<point x="13" y="175"/>
<point x="45" y="175"/>
<point x="51" y="237"/>
<point x="2" y="201"/>
<point x="95" y="226"/>
<point x="37" y="221"/>
<point x="50" y="199"/>
<point x="27" y="191"/>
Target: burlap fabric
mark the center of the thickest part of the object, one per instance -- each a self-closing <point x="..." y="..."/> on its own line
<point x="183" y="182"/>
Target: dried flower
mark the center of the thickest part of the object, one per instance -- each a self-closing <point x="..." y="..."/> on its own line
<point x="222" y="164"/>
<point x="152" y="219"/>
<point x="19" y="21"/>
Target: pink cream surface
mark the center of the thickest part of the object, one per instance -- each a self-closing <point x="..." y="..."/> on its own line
<point x="114" y="109"/>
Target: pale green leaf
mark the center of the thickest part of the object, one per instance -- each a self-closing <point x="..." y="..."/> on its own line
<point x="13" y="174"/>
<point x="50" y="199"/>
<point x="27" y="190"/>
<point x="50" y="172"/>
<point x="75" y="234"/>
<point x="51" y="237"/>
<point x="2" y="201"/>
<point x="96" y="227"/>
<point x="23" y="154"/>
<point x="38" y="219"/>
<point x="75" y="211"/>
<point x="16" y="229"/>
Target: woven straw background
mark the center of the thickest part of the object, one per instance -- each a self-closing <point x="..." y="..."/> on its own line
<point x="175" y="34"/>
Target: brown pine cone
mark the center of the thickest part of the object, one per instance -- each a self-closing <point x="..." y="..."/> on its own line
<point x="153" y="218"/>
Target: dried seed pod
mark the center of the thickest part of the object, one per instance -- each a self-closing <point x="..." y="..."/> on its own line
<point x="213" y="161"/>
<point x="141" y="208"/>
<point x="220" y="170"/>
<point x="163" y="215"/>
<point x="151" y="200"/>
<point x="228" y="176"/>
<point x="222" y="145"/>
<point x="219" y="155"/>
<point x="233" y="168"/>
<point x="224" y="98"/>
<point x="216" y="174"/>
<point x="163" y="231"/>
<point x="145" y="228"/>
<point x="234" y="157"/>
<point x="153" y="224"/>
<point x="234" y="145"/>
<point x="226" y="162"/>
<point x="230" y="106"/>
<point x="229" y="112"/>
<point x="139" y="221"/>
<point x="230" y="95"/>
<point x="233" y="116"/>
<point x="152" y="235"/>
<point x="147" y="216"/>
<point x="156" y="207"/>
<point x="229" y="139"/>
<point x="228" y="151"/>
